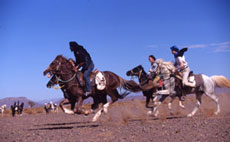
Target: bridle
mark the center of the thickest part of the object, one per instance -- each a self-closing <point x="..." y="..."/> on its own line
<point x="136" y="73"/>
<point x="58" y="78"/>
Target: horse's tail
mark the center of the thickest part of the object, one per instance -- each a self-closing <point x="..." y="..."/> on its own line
<point x="129" y="85"/>
<point x="220" y="81"/>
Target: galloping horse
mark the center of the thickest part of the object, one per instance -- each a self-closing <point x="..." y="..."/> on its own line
<point x="207" y="87"/>
<point x="62" y="69"/>
<point x="149" y="90"/>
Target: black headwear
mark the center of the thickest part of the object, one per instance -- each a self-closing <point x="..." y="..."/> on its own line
<point x="151" y="56"/>
<point x="74" y="46"/>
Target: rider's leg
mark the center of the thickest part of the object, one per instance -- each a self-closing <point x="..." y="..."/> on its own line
<point x="185" y="78"/>
<point x="87" y="78"/>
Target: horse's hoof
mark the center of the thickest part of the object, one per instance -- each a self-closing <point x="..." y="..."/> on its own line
<point x="169" y="106"/>
<point x="86" y="112"/>
<point x="149" y="112"/>
<point x="156" y="113"/>
<point x="182" y="106"/>
<point x="216" y="113"/>
<point x="94" y="119"/>
<point x="189" y="115"/>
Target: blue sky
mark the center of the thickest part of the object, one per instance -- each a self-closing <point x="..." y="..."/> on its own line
<point x="119" y="35"/>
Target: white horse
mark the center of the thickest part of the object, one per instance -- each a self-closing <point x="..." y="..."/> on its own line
<point x="206" y="86"/>
<point x="2" y="109"/>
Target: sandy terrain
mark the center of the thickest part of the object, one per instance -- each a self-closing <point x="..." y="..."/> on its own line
<point x="125" y="121"/>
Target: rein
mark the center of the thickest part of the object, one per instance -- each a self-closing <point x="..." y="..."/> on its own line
<point x="66" y="81"/>
<point x="138" y="74"/>
<point x="60" y="80"/>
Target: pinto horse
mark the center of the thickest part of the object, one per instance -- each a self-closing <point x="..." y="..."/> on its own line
<point x="64" y="71"/>
<point x="150" y="91"/>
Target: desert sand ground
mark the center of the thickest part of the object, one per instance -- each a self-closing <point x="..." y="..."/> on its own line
<point x="125" y="121"/>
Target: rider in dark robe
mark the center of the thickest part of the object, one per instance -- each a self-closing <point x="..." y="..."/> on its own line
<point x="83" y="60"/>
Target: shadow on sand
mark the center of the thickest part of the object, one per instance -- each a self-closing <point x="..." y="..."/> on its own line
<point x="63" y="127"/>
<point x="154" y="118"/>
<point x="65" y="123"/>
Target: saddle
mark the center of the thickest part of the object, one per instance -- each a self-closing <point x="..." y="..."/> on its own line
<point x="97" y="79"/>
<point x="197" y="78"/>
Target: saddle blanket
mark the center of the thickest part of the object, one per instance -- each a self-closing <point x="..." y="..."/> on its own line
<point x="100" y="81"/>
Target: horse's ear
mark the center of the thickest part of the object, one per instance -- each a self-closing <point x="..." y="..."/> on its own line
<point x="141" y="66"/>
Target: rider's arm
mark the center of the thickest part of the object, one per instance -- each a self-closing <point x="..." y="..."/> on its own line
<point x="181" y="63"/>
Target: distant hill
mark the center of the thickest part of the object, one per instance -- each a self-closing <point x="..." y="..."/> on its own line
<point x="10" y="101"/>
<point x="57" y="101"/>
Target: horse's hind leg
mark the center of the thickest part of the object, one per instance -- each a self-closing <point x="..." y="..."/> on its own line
<point x="198" y="99"/>
<point x="170" y="103"/>
<point x="216" y="100"/>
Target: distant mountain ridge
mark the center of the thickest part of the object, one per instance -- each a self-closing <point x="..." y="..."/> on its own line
<point x="10" y="101"/>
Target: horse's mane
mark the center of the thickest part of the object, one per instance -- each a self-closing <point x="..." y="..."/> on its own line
<point x="61" y="58"/>
<point x="64" y="60"/>
<point x="168" y="64"/>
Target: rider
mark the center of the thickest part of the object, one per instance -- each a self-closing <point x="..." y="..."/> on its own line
<point x="153" y="70"/>
<point x="181" y="65"/>
<point x="83" y="60"/>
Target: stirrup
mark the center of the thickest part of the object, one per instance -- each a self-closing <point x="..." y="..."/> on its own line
<point x="87" y="94"/>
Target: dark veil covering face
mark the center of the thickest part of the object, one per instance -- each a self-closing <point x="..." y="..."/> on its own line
<point x="180" y="53"/>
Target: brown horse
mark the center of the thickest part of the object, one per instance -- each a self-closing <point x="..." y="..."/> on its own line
<point x="63" y="70"/>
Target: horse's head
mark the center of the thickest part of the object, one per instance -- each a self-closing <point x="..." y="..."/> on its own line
<point x="135" y="71"/>
<point x="56" y="65"/>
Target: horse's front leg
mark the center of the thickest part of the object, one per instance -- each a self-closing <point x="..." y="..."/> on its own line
<point x="65" y="110"/>
<point x="79" y="105"/>
<point x="198" y="102"/>
<point x="155" y="109"/>
<point x="104" y="108"/>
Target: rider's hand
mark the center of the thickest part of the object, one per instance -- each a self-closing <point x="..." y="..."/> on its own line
<point x="150" y="81"/>
<point x="76" y="69"/>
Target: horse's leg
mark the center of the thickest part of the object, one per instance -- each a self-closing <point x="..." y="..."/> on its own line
<point x="79" y="104"/>
<point x="216" y="100"/>
<point x="155" y="109"/>
<point x="181" y="104"/>
<point x="65" y="110"/>
<point x="198" y="102"/>
<point x="170" y="103"/>
<point x="154" y="99"/>
<point x="148" y="97"/>
<point x="104" y="101"/>
<point x="96" y="101"/>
